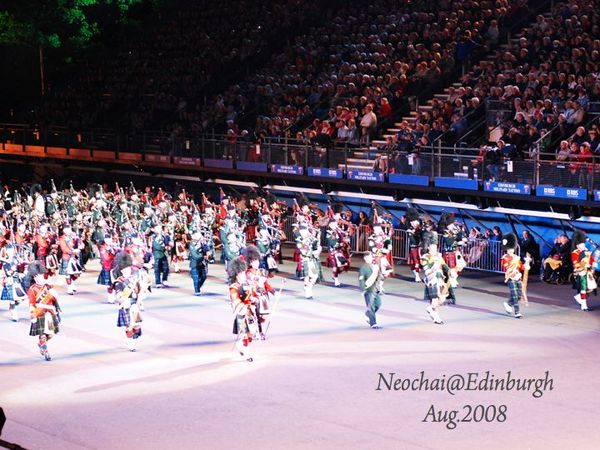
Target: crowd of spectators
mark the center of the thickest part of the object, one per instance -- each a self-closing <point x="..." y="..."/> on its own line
<point x="158" y="80"/>
<point x="344" y="71"/>
<point x="545" y="83"/>
<point x="363" y="64"/>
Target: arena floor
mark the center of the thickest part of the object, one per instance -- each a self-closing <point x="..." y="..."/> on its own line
<point x="313" y="382"/>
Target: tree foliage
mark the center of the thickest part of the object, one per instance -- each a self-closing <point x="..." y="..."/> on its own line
<point x="59" y="23"/>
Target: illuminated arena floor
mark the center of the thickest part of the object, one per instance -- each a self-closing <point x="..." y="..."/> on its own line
<point x="313" y="382"/>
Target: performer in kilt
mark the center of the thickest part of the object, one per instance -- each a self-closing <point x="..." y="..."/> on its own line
<point x="380" y="245"/>
<point x="583" y="269"/>
<point x="453" y="238"/>
<point x="44" y="309"/>
<point x="434" y="266"/>
<point x="126" y="297"/>
<point x="12" y="290"/>
<point x="69" y="266"/>
<point x="414" y="241"/>
<point x="513" y="269"/>
<point x="337" y="241"/>
<point x="309" y="247"/>
<point x="258" y="279"/>
<point x="107" y="253"/>
<point x="243" y="300"/>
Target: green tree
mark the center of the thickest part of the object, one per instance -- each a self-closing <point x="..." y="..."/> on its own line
<point x="70" y="25"/>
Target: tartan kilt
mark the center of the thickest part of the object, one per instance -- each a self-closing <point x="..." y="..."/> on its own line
<point x="414" y="258"/>
<point x="124" y="319"/>
<point x="37" y="328"/>
<point x="104" y="278"/>
<point x="244" y="324"/>
<point x="450" y="258"/>
<point x="515" y="288"/>
<point x="317" y="267"/>
<point x="431" y="292"/>
<point x="7" y="294"/>
<point x="580" y="284"/>
<point x="64" y="266"/>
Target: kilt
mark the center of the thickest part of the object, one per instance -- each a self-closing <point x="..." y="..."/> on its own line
<point x="414" y="258"/>
<point x="37" y="328"/>
<point x="104" y="278"/>
<point x="245" y="324"/>
<point x="580" y="284"/>
<point x="515" y="288"/>
<point x="316" y="267"/>
<point x="431" y="292"/>
<point x="124" y="319"/>
<point x="64" y="266"/>
<point x="7" y="294"/>
<point x="450" y="258"/>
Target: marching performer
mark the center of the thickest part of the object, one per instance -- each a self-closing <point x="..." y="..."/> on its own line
<point x="259" y="281"/>
<point x="43" y="308"/>
<point x="12" y="291"/>
<point x="337" y="240"/>
<point x="107" y="253"/>
<point x="380" y="245"/>
<point x="243" y="299"/>
<point x="160" y="249"/>
<point x="309" y="247"/>
<point x="70" y="248"/>
<point x="453" y="238"/>
<point x="414" y="241"/>
<point x="198" y="253"/>
<point x="583" y="269"/>
<point x="126" y="297"/>
<point x="269" y="249"/>
<point x="434" y="266"/>
<point x="368" y="277"/>
<point x="513" y="269"/>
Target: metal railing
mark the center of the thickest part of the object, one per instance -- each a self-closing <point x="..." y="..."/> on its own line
<point x="291" y="156"/>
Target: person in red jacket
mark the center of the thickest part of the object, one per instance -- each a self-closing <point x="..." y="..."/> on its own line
<point x="43" y="308"/>
<point x="513" y="269"/>
<point x="107" y="254"/>
<point x="67" y="247"/>
<point x="583" y="263"/>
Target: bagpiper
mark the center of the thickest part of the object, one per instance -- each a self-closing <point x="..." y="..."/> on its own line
<point x="513" y="268"/>
<point x="160" y="249"/>
<point x="259" y="281"/>
<point x="12" y="290"/>
<point x="243" y="300"/>
<point x="107" y="251"/>
<point x="337" y="242"/>
<point x="583" y="269"/>
<point x="380" y="245"/>
<point x="309" y="247"/>
<point x="44" y="309"/>
<point x="453" y="239"/>
<point x="414" y="241"/>
<point x="126" y="298"/>
<point x="434" y="266"/>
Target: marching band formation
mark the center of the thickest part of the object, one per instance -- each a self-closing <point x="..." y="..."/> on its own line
<point x="50" y="234"/>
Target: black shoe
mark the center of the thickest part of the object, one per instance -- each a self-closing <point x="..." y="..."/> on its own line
<point x="47" y="357"/>
<point x="249" y="360"/>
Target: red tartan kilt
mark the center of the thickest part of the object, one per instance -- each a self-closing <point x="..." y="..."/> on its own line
<point x="450" y="258"/>
<point x="414" y="259"/>
<point x="296" y="257"/>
